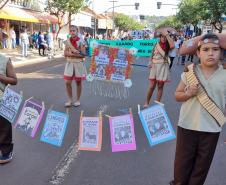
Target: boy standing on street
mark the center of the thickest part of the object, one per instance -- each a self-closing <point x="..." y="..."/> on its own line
<point x="203" y="91"/>
<point x="7" y="76"/>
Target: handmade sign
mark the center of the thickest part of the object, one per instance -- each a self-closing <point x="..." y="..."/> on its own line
<point x="90" y="133"/>
<point x="54" y="128"/>
<point x="122" y="133"/>
<point x="156" y="125"/>
<point x="111" y="64"/>
<point x="29" y="118"/>
<point x="10" y="104"/>
<point x="138" y="35"/>
<point x="144" y="46"/>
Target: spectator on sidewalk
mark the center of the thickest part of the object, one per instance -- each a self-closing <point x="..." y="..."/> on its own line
<point x="34" y="40"/>
<point x="12" y="37"/>
<point x="41" y="43"/>
<point x="47" y="38"/>
<point x="87" y="43"/>
<point x="4" y="44"/>
<point x="174" y="52"/>
<point x="23" y="43"/>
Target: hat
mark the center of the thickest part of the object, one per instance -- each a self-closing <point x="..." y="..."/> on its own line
<point x="166" y="28"/>
<point x="3" y="36"/>
<point x="191" y="46"/>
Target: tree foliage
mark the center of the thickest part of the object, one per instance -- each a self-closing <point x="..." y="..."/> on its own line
<point x="172" y="21"/>
<point x="155" y="19"/>
<point x="124" y="22"/>
<point x="59" y="8"/>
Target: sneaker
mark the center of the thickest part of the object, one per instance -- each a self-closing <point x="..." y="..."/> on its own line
<point x="6" y="158"/>
<point x="26" y="56"/>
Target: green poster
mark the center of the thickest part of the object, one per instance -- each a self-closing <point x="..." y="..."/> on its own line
<point x="144" y="46"/>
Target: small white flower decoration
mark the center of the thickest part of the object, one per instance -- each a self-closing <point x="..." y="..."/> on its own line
<point x="190" y="43"/>
<point x="158" y="33"/>
<point x="94" y="44"/>
<point x="128" y="83"/>
<point x="165" y="29"/>
<point x="173" y="32"/>
<point x="89" y="78"/>
<point x="133" y="51"/>
<point x="199" y="43"/>
<point x="206" y="40"/>
<point x="216" y="41"/>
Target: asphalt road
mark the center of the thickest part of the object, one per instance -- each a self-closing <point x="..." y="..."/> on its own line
<point x="39" y="163"/>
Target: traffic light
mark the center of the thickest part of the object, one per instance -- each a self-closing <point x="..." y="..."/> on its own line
<point x="141" y="17"/>
<point x="137" y="6"/>
<point x="159" y="5"/>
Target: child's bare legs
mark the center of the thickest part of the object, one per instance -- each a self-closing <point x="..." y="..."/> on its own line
<point x="149" y="93"/>
<point x="160" y="91"/>
<point x="69" y="92"/>
<point x="78" y="92"/>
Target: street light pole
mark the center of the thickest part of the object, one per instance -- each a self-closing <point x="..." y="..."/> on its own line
<point x="113" y="8"/>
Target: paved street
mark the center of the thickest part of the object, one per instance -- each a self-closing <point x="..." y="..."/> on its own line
<point x="39" y="163"/>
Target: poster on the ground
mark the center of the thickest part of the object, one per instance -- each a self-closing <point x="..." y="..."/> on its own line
<point x="90" y="133"/>
<point x="156" y="125"/>
<point x="122" y="133"/>
<point x="54" y="128"/>
<point x="10" y="104"/>
<point x="110" y="63"/>
<point x="29" y="118"/>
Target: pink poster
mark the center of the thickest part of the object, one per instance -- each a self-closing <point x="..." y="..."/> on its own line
<point x="122" y="133"/>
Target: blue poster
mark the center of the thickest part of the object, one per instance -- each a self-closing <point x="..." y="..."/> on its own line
<point x="157" y="125"/>
<point x="10" y="104"/>
<point x="54" y="128"/>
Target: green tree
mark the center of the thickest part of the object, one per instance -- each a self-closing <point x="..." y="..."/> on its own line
<point x="212" y="11"/>
<point x="172" y="21"/>
<point x="59" y="8"/>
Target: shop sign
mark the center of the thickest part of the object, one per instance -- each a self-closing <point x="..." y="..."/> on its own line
<point x="102" y="24"/>
<point x="28" y="4"/>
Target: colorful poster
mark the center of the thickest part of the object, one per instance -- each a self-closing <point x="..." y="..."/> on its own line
<point x="156" y="125"/>
<point x="90" y="133"/>
<point x="29" y="118"/>
<point x="144" y="46"/>
<point x="54" y="128"/>
<point x="122" y="133"/>
<point x="111" y="63"/>
<point x="10" y="104"/>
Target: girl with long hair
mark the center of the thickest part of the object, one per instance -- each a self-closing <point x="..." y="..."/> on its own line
<point x="159" y="64"/>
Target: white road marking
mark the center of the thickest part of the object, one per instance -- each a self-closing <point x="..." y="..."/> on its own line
<point x="65" y="165"/>
<point x="58" y="65"/>
<point x="47" y="68"/>
<point x="138" y="57"/>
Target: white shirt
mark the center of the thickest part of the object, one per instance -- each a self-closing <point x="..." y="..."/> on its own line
<point x="174" y="52"/>
<point x="12" y="34"/>
<point x="23" y="36"/>
<point x="4" y="31"/>
<point x="80" y="36"/>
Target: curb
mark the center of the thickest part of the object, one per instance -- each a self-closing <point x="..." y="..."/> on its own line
<point x="35" y="60"/>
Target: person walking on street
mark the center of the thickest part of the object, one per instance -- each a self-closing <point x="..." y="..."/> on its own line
<point x="7" y="76"/>
<point x="47" y="38"/>
<point x="87" y="43"/>
<point x="4" y="44"/>
<point x="23" y="43"/>
<point x="75" y="68"/>
<point x="41" y="43"/>
<point x="12" y="37"/>
<point x="159" y="64"/>
<point x="174" y="52"/>
<point x="34" y="39"/>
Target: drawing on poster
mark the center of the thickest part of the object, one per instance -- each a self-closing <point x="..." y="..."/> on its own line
<point x="29" y="118"/>
<point x="122" y="130"/>
<point x="9" y="104"/>
<point x="157" y="125"/>
<point x="54" y="127"/>
<point x="103" y="51"/>
<point x="119" y="70"/>
<point x="90" y="132"/>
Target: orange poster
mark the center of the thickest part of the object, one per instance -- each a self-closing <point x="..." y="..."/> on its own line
<point x="90" y="133"/>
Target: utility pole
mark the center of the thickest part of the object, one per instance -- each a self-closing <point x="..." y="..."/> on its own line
<point x="113" y="8"/>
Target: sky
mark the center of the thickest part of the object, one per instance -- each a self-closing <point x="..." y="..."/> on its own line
<point x="147" y="7"/>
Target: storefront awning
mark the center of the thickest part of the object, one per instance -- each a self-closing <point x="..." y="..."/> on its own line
<point x="25" y="15"/>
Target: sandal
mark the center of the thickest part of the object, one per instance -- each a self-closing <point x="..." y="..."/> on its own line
<point x="68" y="104"/>
<point x="77" y="104"/>
<point x="145" y="106"/>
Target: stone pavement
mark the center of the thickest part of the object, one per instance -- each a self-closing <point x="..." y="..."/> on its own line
<point x="33" y="55"/>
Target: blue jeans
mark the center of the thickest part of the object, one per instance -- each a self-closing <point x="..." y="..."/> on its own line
<point x="13" y="42"/>
<point x="24" y="47"/>
<point x="4" y="44"/>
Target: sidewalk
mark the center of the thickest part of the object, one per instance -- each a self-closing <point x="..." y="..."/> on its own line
<point x="33" y="55"/>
